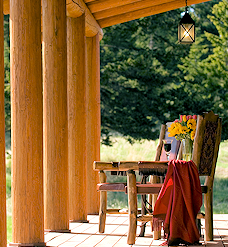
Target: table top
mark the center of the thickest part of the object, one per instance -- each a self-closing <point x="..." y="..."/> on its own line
<point x="129" y="165"/>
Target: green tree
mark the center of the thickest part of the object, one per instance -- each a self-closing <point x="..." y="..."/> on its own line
<point x="7" y="71"/>
<point x="142" y="85"/>
<point x="206" y="68"/>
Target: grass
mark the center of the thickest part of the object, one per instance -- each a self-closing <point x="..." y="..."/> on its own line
<point x="144" y="150"/>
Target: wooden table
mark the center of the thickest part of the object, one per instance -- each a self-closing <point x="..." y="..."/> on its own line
<point x="150" y="167"/>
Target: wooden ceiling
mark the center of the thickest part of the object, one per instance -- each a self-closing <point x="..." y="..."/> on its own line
<point x="104" y="13"/>
<point x="111" y="12"/>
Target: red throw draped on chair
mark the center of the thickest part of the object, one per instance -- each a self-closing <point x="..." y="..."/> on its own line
<point x="178" y="203"/>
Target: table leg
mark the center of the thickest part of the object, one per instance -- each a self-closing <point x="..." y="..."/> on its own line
<point x="132" y="206"/>
<point x="103" y="204"/>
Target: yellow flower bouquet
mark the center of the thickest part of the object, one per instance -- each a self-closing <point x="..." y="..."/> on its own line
<point x="183" y="128"/>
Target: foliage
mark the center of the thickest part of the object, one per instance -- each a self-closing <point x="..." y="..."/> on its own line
<point x="205" y="69"/>
<point x="7" y="71"/>
<point x="143" y="80"/>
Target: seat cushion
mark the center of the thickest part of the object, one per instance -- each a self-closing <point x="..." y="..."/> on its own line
<point x="111" y="187"/>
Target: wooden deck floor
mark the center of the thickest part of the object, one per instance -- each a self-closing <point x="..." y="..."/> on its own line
<point x="87" y="235"/>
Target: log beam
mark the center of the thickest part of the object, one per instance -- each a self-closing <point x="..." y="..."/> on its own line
<point x="74" y="9"/>
<point x="78" y="7"/>
<point x="93" y="120"/>
<point x="133" y="15"/>
<point x="100" y="5"/>
<point x="3" y="238"/>
<point x="76" y="93"/>
<point x="27" y="123"/>
<point x="127" y="8"/>
<point x="56" y="212"/>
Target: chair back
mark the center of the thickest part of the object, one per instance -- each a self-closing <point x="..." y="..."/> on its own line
<point x="206" y="143"/>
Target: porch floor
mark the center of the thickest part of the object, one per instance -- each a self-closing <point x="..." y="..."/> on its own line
<point x="87" y="235"/>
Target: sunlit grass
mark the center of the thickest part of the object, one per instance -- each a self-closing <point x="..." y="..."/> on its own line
<point x="123" y="150"/>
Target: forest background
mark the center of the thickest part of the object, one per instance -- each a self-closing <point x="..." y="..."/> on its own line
<point x="147" y="78"/>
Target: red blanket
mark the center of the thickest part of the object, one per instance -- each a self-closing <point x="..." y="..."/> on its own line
<point x="178" y="203"/>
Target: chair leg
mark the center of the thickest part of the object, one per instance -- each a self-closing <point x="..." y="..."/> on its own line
<point x="132" y="206"/>
<point x="208" y="204"/>
<point x="155" y="179"/>
<point x="143" y="211"/>
<point x="103" y="204"/>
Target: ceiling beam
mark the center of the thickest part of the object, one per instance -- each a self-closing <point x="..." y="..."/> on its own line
<point x="101" y="5"/>
<point x="74" y="8"/>
<point x="117" y="19"/>
<point x="127" y="8"/>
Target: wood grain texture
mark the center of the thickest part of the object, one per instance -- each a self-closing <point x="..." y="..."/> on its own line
<point x="204" y="121"/>
<point x="93" y="120"/>
<point x="76" y="93"/>
<point x="3" y="239"/>
<point x="132" y="206"/>
<point x="101" y="5"/>
<point x="55" y="115"/>
<point x="27" y="122"/>
<point x="118" y="10"/>
<point x="133" y="15"/>
<point x="74" y="9"/>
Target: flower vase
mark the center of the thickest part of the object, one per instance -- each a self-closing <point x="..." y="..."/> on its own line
<point x="187" y="149"/>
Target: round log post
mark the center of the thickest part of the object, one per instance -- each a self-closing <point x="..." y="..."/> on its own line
<point x="76" y="93"/>
<point x="27" y="123"/>
<point x="3" y="239"/>
<point x="93" y="120"/>
<point x="56" y="213"/>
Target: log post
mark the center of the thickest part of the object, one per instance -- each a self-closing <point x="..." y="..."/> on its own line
<point x="93" y="120"/>
<point x="103" y="204"/>
<point x="132" y="206"/>
<point x="56" y="213"/>
<point x="27" y="123"/>
<point x="76" y="93"/>
<point x="3" y="239"/>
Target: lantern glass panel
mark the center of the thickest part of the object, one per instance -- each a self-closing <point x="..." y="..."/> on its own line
<point x="186" y="33"/>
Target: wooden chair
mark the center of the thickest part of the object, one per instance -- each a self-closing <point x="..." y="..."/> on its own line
<point x="205" y="153"/>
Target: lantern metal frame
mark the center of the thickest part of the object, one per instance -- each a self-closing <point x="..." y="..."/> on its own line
<point x="186" y="29"/>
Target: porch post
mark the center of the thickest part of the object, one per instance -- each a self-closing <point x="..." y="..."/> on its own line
<point x="76" y="118"/>
<point x="56" y="216"/>
<point x="27" y="123"/>
<point x="3" y="239"/>
<point x="93" y="120"/>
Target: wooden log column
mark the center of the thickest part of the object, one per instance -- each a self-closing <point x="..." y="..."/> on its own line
<point x="3" y="239"/>
<point x="56" y="213"/>
<point x="27" y="123"/>
<point x="76" y="94"/>
<point x="93" y="120"/>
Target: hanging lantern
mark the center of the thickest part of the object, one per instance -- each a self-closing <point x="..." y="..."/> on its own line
<point x="186" y="29"/>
